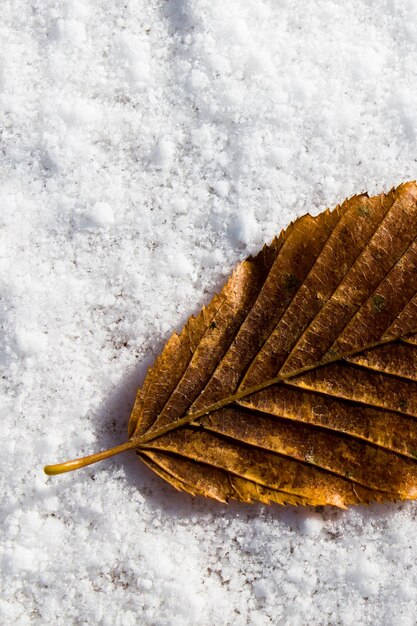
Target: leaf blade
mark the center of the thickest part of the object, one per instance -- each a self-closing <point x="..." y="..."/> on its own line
<point x="327" y="288"/>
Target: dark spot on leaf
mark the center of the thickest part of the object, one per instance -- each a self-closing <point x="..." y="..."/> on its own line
<point x="291" y="282"/>
<point x="402" y="404"/>
<point x="378" y="303"/>
<point x="364" y="210"/>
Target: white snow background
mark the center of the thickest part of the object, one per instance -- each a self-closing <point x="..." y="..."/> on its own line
<point x="146" y="147"/>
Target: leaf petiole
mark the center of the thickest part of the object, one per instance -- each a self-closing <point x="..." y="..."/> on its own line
<point x="69" y="466"/>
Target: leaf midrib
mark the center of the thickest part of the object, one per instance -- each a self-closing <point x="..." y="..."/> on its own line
<point x="189" y="417"/>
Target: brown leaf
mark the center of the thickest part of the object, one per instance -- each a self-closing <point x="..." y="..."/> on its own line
<point x="298" y="382"/>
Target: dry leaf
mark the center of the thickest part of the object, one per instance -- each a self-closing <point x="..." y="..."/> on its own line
<point x="298" y="382"/>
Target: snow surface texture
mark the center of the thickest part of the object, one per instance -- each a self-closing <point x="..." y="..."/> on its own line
<point x="146" y="147"/>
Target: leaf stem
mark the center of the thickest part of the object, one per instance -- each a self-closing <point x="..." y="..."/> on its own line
<point x="69" y="466"/>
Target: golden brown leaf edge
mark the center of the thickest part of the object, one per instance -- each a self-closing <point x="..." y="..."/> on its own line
<point x="297" y="384"/>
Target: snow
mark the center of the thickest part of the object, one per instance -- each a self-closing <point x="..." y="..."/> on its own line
<point x="146" y="147"/>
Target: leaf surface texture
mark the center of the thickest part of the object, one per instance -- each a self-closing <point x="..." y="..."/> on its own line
<point x="298" y="382"/>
